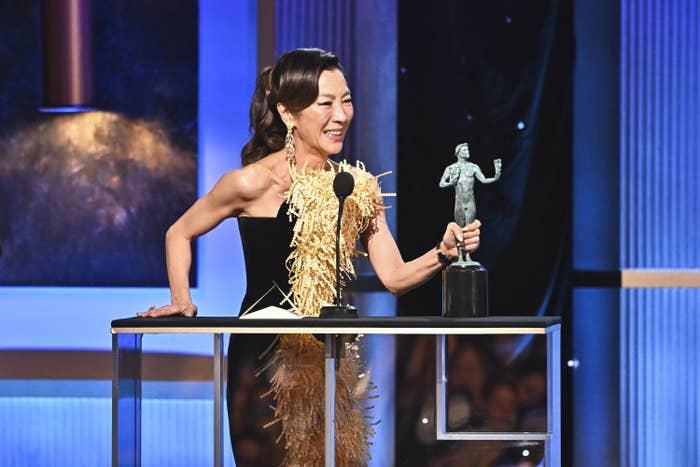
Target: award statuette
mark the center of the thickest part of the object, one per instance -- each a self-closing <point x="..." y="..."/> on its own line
<point x="465" y="281"/>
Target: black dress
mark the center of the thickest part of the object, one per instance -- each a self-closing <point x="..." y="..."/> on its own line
<point x="265" y="247"/>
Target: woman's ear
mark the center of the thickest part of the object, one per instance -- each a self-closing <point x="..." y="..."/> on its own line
<point x="286" y="114"/>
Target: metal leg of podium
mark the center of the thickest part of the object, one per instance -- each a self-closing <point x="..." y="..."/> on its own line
<point x="440" y="386"/>
<point x="552" y="445"/>
<point x="330" y="400"/>
<point x="218" y="400"/>
<point x="126" y="400"/>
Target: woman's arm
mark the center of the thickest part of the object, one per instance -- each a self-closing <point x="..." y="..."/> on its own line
<point x="228" y="198"/>
<point x="399" y="276"/>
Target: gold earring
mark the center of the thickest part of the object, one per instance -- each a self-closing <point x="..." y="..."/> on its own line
<point x="289" y="143"/>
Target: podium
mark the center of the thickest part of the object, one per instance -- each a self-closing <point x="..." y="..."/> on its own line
<point x="127" y="335"/>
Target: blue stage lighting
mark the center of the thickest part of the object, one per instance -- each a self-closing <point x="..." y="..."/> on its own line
<point x="66" y="109"/>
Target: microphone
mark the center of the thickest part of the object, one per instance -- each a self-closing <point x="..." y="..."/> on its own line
<point x="343" y="184"/>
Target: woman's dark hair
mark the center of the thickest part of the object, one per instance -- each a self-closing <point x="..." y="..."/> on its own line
<point x="293" y="81"/>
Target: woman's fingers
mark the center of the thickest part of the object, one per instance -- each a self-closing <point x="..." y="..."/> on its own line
<point x="154" y="312"/>
<point x="453" y="235"/>
<point x="468" y="236"/>
<point x="456" y="232"/>
<point x="475" y="225"/>
<point x="471" y="233"/>
<point x="169" y="310"/>
<point x="190" y="311"/>
<point x="471" y="244"/>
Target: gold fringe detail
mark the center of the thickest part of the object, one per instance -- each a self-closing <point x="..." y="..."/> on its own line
<point x="298" y="386"/>
<point x="313" y="203"/>
<point x="297" y="366"/>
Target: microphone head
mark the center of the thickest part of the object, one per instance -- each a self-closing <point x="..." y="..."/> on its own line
<point x="343" y="184"/>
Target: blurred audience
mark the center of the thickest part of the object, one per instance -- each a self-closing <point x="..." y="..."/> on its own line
<point x="495" y="383"/>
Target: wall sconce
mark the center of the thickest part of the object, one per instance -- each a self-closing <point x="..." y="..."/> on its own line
<point x="67" y="56"/>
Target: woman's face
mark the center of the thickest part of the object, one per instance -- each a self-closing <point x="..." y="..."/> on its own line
<point x="321" y="127"/>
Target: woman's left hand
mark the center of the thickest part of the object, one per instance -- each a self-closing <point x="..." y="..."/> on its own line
<point x="469" y="235"/>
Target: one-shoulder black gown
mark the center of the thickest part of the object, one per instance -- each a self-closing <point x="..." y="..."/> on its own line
<point x="266" y="247"/>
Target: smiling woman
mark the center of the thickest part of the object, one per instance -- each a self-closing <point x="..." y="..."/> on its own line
<point x="321" y="127"/>
<point x="284" y="201"/>
<point x="301" y="85"/>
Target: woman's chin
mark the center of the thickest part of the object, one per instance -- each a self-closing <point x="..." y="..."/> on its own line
<point x="333" y="148"/>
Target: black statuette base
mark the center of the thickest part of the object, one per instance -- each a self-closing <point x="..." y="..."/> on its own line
<point x="465" y="291"/>
<point x="338" y="312"/>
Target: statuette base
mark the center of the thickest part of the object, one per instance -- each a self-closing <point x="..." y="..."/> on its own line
<point x="465" y="290"/>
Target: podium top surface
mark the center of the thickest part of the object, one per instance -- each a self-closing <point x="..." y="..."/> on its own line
<point x="425" y="325"/>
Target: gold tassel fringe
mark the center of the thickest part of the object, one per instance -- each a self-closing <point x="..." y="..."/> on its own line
<point x="296" y="368"/>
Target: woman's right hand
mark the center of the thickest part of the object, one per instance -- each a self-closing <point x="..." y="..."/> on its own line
<point x="188" y="310"/>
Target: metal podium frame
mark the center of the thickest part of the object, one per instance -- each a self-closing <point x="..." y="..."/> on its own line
<point x="551" y="437"/>
<point x="127" y="336"/>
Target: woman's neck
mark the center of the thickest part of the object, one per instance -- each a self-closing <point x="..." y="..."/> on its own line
<point x="311" y="160"/>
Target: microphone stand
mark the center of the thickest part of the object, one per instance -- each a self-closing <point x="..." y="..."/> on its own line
<point x="338" y="311"/>
<point x="336" y="343"/>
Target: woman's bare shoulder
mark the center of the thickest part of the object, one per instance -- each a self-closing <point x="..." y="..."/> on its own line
<point x="247" y="183"/>
<point x="255" y="180"/>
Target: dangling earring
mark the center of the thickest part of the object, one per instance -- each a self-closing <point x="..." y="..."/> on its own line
<point x="289" y="144"/>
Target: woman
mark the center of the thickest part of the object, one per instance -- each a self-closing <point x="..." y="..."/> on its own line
<point x="300" y="114"/>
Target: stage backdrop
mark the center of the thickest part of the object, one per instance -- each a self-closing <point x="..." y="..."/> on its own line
<point x="85" y="199"/>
